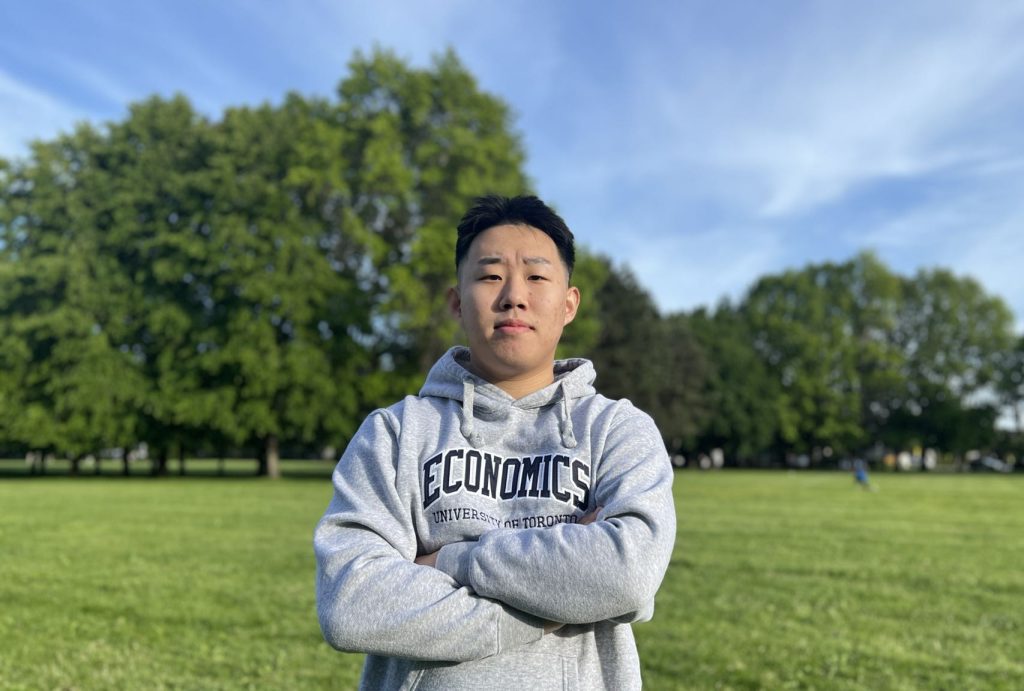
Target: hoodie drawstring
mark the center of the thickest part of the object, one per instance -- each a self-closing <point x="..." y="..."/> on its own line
<point x="568" y="437"/>
<point x="476" y="439"/>
<point x="468" y="399"/>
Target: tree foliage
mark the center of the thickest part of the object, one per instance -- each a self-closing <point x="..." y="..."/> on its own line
<point x="1010" y="383"/>
<point x="270" y="276"/>
<point x="418" y="145"/>
<point x="865" y="356"/>
<point x="653" y="361"/>
<point x="740" y="394"/>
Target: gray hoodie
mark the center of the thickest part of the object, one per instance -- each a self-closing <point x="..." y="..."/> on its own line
<point x="498" y="485"/>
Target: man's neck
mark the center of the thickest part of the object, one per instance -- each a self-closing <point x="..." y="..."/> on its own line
<point x="519" y="386"/>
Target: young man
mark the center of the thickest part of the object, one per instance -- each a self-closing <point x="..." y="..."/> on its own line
<point x="503" y="528"/>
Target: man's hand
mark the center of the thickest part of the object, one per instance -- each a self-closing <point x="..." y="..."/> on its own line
<point x="590" y="517"/>
<point x="427" y="559"/>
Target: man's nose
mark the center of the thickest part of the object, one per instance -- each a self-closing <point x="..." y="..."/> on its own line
<point x="514" y="294"/>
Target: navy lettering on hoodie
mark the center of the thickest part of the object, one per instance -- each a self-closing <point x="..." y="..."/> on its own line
<point x="492" y="464"/>
<point x="431" y="492"/>
<point x="469" y="471"/>
<point x="560" y="495"/>
<point x="451" y="487"/>
<point x="471" y="477"/>
<point x="582" y="484"/>
<point x="531" y="475"/>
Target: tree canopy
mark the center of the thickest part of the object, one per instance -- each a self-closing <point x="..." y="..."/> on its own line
<point x="271" y="275"/>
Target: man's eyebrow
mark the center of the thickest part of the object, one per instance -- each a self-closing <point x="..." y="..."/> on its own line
<point x="485" y="261"/>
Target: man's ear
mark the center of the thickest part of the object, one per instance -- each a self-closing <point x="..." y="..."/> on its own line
<point x="455" y="302"/>
<point x="572" y="303"/>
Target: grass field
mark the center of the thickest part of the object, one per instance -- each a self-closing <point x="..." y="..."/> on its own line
<point x="780" y="580"/>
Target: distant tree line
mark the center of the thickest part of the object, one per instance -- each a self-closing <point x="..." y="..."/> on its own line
<point x="266" y="279"/>
<point x="839" y="359"/>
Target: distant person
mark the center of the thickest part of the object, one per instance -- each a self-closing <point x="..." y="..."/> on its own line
<point x="860" y="474"/>
<point x="502" y="529"/>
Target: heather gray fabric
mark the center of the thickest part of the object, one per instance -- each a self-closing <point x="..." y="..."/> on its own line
<point x="498" y="486"/>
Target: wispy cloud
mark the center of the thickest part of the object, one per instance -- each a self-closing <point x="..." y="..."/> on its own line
<point x="843" y="100"/>
<point x="702" y="144"/>
<point x="686" y="271"/>
<point x="817" y="132"/>
<point x="27" y="113"/>
<point x="100" y="83"/>
<point x="996" y="263"/>
<point x="976" y="232"/>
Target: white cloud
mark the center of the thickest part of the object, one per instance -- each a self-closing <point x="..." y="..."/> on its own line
<point x="997" y="266"/>
<point x="975" y="230"/>
<point x="99" y="82"/>
<point x="27" y="113"/>
<point x="837" y="100"/>
<point x="702" y="145"/>
<point x="825" y="134"/>
<point x="686" y="271"/>
<point x="331" y="30"/>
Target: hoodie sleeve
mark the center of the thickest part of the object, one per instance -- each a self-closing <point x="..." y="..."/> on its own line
<point x="371" y="596"/>
<point x="577" y="574"/>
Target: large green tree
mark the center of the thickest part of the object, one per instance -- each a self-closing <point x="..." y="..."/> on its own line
<point x="1010" y="383"/>
<point x="864" y="356"/>
<point x="419" y="145"/>
<point x="801" y="325"/>
<point x="580" y="337"/>
<point x="271" y="275"/>
<point x="741" y="395"/>
<point x="654" y="362"/>
<point x="953" y="337"/>
<point x="67" y="383"/>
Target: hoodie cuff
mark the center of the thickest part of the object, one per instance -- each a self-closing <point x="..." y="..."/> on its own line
<point x="454" y="560"/>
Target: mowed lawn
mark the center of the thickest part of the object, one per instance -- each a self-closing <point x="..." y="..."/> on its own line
<point x="779" y="580"/>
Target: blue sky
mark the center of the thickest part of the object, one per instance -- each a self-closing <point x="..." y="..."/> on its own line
<point x="704" y="144"/>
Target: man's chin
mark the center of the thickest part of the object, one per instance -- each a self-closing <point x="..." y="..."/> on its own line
<point x="521" y="368"/>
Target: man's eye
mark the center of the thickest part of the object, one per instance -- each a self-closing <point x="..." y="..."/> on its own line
<point x="490" y="277"/>
<point x="538" y="277"/>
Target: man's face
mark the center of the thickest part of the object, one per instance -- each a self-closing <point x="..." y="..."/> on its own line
<point x="513" y="300"/>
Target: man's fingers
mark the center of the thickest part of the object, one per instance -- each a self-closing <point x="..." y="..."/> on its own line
<point x="427" y="559"/>
<point x="590" y="517"/>
<point x="552" y="626"/>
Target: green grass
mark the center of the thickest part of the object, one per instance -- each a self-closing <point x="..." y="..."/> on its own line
<point x="784" y="580"/>
<point x="778" y="581"/>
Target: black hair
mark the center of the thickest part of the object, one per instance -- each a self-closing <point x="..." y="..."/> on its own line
<point x="494" y="210"/>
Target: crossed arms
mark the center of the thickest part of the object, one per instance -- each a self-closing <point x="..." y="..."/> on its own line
<point x="376" y="594"/>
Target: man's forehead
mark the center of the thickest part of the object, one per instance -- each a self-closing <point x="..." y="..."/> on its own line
<point x="519" y="240"/>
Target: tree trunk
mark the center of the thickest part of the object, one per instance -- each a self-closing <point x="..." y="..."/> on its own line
<point x="271" y="459"/>
<point x="181" y="459"/>
<point x="159" y="466"/>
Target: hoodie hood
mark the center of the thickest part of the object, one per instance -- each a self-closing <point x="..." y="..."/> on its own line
<point x="449" y="378"/>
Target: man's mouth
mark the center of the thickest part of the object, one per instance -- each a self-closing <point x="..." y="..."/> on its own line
<point x="511" y="326"/>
